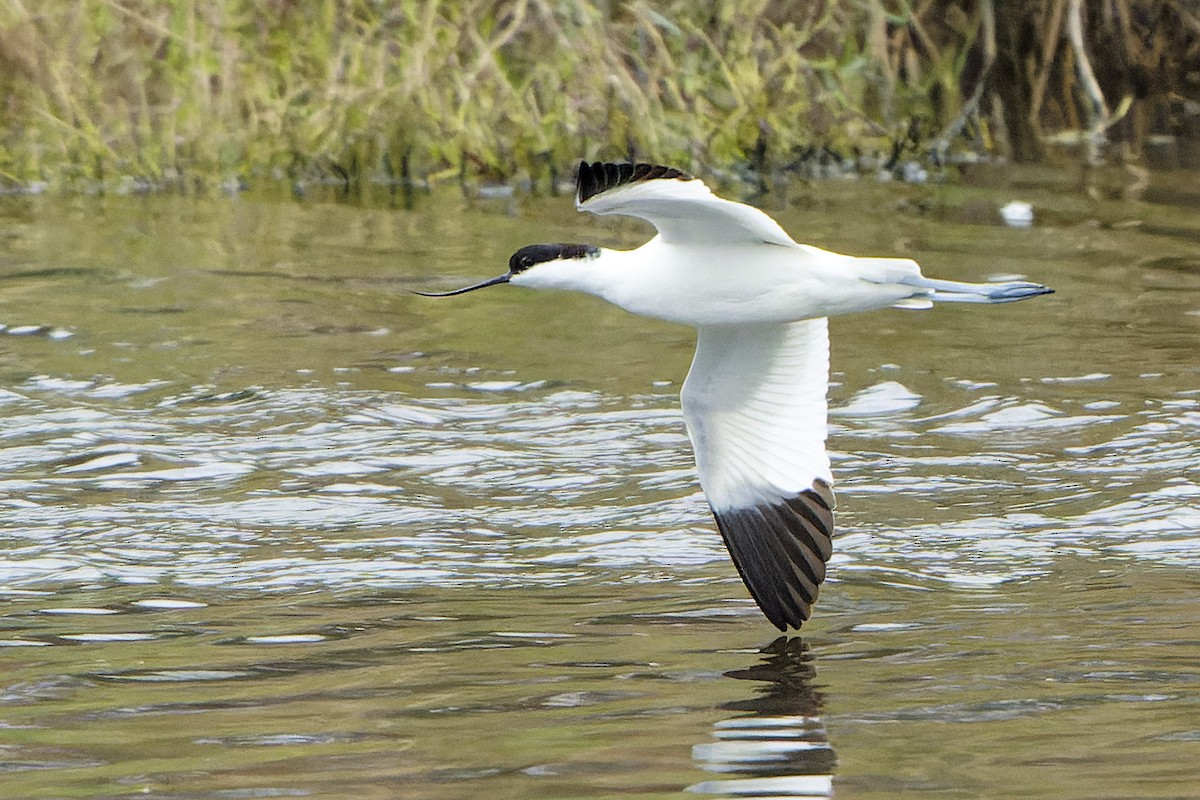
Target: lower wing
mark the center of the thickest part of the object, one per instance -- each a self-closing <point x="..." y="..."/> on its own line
<point x="754" y="403"/>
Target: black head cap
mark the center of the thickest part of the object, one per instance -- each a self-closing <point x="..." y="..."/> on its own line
<point x="526" y="257"/>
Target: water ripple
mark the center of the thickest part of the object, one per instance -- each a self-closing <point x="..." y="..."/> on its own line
<point x="521" y="482"/>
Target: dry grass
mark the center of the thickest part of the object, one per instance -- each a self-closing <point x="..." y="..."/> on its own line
<point x="184" y="92"/>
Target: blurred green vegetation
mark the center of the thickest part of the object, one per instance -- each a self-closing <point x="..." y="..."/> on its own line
<point x="184" y="92"/>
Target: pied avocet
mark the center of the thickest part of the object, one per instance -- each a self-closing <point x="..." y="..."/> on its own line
<point x="754" y="399"/>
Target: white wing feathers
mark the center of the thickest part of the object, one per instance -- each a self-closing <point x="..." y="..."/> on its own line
<point x="754" y="403"/>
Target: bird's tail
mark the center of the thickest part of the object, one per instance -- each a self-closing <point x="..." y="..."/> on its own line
<point x="959" y="292"/>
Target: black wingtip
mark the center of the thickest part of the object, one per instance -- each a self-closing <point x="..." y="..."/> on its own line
<point x="600" y="176"/>
<point x="780" y="550"/>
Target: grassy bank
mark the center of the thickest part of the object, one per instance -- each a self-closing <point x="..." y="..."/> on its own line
<point x="184" y="92"/>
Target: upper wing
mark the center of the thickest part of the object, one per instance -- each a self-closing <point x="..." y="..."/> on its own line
<point x="680" y="206"/>
<point x="754" y="403"/>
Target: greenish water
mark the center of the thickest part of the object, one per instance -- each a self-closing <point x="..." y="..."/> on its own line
<point x="271" y="526"/>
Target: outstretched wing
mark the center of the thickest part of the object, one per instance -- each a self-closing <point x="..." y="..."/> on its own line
<point x="681" y="207"/>
<point x="754" y="403"/>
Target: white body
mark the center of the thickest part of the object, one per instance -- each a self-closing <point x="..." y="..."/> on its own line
<point x="731" y="283"/>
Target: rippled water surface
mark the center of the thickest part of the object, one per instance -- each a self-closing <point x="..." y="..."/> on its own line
<point x="271" y="526"/>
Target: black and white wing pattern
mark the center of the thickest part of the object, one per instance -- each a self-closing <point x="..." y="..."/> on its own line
<point x="681" y="207"/>
<point x="755" y="407"/>
<point x="754" y="399"/>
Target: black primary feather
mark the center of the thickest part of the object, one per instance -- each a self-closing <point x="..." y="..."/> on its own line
<point x="599" y="177"/>
<point x="780" y="550"/>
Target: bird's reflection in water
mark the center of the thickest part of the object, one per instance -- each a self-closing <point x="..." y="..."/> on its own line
<point x="776" y="745"/>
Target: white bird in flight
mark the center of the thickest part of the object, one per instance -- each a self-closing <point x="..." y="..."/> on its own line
<point x="754" y="399"/>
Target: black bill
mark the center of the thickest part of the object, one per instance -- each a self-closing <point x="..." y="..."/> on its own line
<point x="489" y="282"/>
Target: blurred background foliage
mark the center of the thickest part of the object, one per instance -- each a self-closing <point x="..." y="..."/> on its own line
<point x="189" y="93"/>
